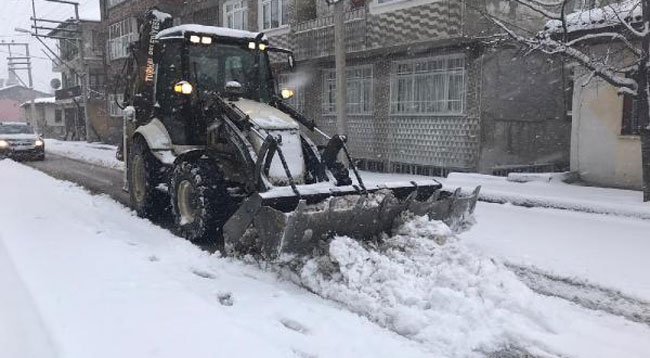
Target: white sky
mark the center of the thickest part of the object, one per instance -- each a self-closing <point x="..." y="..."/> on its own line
<point x="16" y="13"/>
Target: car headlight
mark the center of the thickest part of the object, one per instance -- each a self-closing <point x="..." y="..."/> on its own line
<point x="38" y="143"/>
<point x="4" y="144"/>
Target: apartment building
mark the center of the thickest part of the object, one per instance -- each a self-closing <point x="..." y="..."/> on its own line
<point x="74" y="71"/>
<point x="429" y="88"/>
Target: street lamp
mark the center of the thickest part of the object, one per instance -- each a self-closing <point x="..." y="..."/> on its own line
<point x="21" y="30"/>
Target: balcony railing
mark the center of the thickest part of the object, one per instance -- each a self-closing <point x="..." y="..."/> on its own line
<point x="315" y="38"/>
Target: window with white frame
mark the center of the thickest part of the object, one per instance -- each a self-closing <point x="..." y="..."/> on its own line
<point x="235" y="14"/>
<point x="114" y="109"/>
<point x="120" y="35"/>
<point x="428" y="86"/>
<point x="274" y="13"/>
<point x="359" y="90"/>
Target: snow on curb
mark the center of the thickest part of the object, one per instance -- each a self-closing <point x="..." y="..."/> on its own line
<point x="93" y="153"/>
<point x="556" y="195"/>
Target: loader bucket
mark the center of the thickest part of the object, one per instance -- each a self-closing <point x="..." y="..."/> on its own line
<point x="273" y="225"/>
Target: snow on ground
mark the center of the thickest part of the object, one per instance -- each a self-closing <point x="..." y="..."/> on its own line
<point x="455" y="300"/>
<point x="608" y="250"/>
<point x="93" y="153"/>
<point x="86" y="278"/>
<point x="103" y="283"/>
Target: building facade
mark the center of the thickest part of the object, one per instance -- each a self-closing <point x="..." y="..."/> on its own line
<point x="75" y="73"/>
<point x="11" y="97"/>
<point x="48" y="117"/>
<point x="428" y="92"/>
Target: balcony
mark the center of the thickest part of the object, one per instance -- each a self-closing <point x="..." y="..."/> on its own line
<point x="315" y="38"/>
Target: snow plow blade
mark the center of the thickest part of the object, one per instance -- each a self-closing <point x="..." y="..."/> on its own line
<point x="272" y="224"/>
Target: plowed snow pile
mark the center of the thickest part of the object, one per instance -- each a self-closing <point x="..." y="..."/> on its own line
<point x="425" y="284"/>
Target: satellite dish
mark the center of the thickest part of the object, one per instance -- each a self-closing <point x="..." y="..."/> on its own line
<point x="55" y="83"/>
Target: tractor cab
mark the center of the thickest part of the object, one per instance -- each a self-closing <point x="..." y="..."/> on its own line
<point x="208" y="59"/>
<point x="193" y="63"/>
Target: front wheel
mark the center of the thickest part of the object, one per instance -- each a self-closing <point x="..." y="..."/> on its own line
<point x="144" y="177"/>
<point x="200" y="202"/>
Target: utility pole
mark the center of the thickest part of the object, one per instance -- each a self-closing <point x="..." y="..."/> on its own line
<point x="339" y="59"/>
<point x="68" y="35"/>
<point x="24" y="63"/>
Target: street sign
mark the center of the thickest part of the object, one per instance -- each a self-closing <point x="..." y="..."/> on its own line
<point x="67" y="93"/>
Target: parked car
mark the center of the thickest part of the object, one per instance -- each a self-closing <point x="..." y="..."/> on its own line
<point x="20" y="141"/>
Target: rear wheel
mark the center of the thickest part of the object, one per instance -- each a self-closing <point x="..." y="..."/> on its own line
<point x="144" y="177"/>
<point x="200" y="201"/>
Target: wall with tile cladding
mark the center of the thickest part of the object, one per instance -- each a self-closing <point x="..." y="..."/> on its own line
<point x="433" y="21"/>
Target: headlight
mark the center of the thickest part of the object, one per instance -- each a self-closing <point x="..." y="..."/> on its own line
<point x="38" y="143"/>
<point x="183" y="87"/>
<point x="287" y="93"/>
<point x="4" y="144"/>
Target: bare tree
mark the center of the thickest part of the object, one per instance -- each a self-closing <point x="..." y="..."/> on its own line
<point x="623" y="24"/>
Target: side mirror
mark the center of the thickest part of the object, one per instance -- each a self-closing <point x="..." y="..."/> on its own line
<point x="234" y="90"/>
<point x="291" y="59"/>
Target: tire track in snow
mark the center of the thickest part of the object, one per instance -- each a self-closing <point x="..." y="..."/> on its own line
<point x="583" y="293"/>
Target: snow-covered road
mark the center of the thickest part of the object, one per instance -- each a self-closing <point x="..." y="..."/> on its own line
<point x="608" y="250"/>
<point x="104" y="283"/>
<point x="93" y="280"/>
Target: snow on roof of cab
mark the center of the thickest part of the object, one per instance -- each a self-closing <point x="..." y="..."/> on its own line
<point x="207" y="30"/>
<point x="598" y="18"/>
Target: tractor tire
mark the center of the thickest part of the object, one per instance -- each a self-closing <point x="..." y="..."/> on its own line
<point x="144" y="176"/>
<point x="200" y="201"/>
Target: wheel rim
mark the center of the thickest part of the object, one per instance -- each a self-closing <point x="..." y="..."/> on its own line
<point x="139" y="180"/>
<point x="185" y="207"/>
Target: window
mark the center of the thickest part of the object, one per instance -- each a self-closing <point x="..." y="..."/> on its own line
<point x="236" y="14"/>
<point x="359" y="90"/>
<point x="206" y="16"/>
<point x="120" y="35"/>
<point x="630" y="124"/>
<point x="428" y="86"/>
<point x="58" y="116"/>
<point x="96" y="81"/>
<point x="112" y="3"/>
<point x="171" y="60"/>
<point x="113" y="109"/>
<point x="274" y="13"/>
